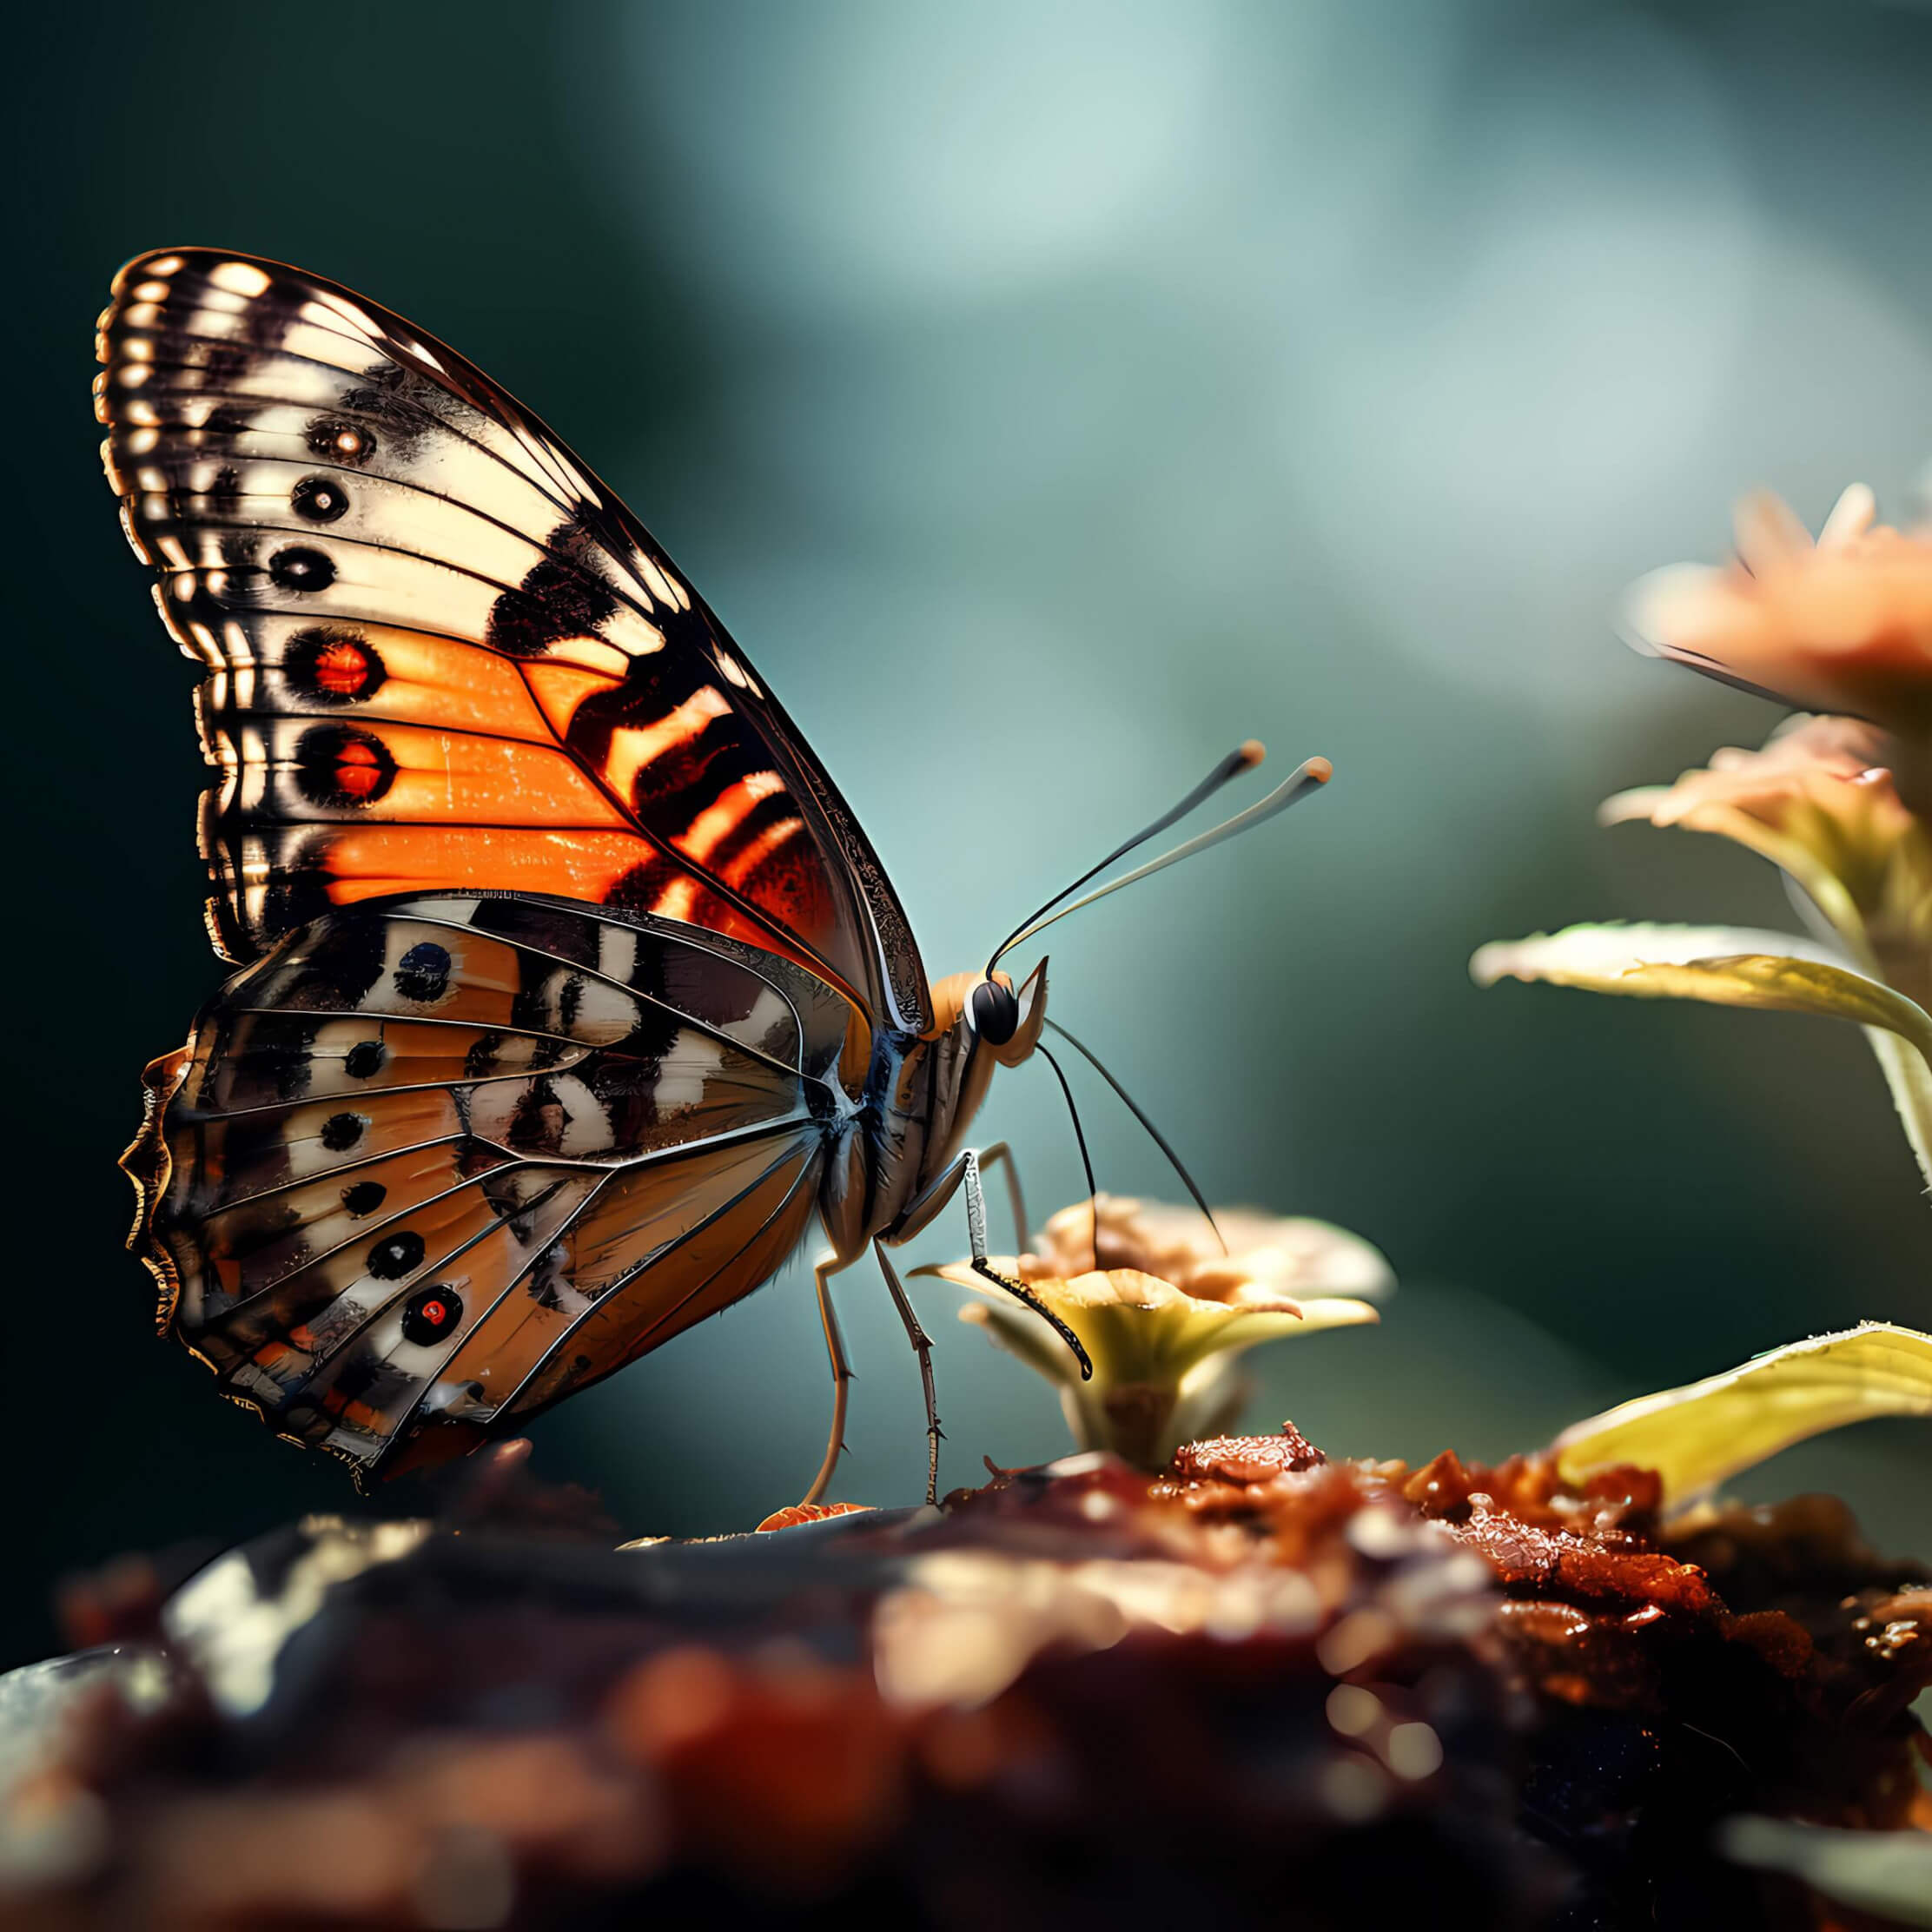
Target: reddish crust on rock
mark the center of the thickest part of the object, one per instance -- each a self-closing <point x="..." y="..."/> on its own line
<point x="795" y="1513"/>
<point x="1502" y="1679"/>
<point x="1601" y="1605"/>
<point x="1245" y="1459"/>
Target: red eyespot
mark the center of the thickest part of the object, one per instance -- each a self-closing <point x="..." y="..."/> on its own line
<point x="342" y="669"/>
<point x="358" y="770"/>
<point x="336" y="665"/>
<point x="430" y="1314"/>
<point x="335" y="765"/>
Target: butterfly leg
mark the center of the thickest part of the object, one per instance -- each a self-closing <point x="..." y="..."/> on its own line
<point x="964" y="1176"/>
<point x="828" y="1265"/>
<point x="1000" y="1152"/>
<point x="922" y="1346"/>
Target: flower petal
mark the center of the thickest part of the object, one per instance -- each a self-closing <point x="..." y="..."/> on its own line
<point x="1767" y="533"/>
<point x="1134" y="1328"/>
<point x="1274" y="1258"/>
<point x="1725" y="965"/>
<point x="1821" y="801"/>
<point x="1852" y="515"/>
<point x="1843" y="625"/>
<point x="1329" y="1311"/>
<point x="1704" y="1433"/>
<point x="1021" y="1333"/>
<point x="1243" y="1256"/>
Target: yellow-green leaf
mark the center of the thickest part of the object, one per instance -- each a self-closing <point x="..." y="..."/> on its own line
<point x="1707" y="1431"/>
<point x="1725" y="965"/>
<point x="1888" y="1873"/>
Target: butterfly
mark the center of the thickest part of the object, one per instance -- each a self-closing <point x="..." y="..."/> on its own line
<point x="570" y="992"/>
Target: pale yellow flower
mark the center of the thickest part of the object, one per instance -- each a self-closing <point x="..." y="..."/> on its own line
<point x="1165" y="1319"/>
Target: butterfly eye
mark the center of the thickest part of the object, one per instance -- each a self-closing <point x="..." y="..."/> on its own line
<point x="995" y="1013"/>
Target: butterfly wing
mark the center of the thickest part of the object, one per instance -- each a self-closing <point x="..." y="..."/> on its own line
<point x="430" y="1165"/>
<point x="439" y="654"/>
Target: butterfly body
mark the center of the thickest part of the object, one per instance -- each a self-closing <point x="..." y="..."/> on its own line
<point x="570" y="992"/>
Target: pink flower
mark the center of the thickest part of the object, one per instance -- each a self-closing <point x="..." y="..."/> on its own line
<point x="1842" y="625"/>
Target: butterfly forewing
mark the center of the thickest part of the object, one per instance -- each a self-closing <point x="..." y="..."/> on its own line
<point x="440" y="654"/>
<point x="442" y="1161"/>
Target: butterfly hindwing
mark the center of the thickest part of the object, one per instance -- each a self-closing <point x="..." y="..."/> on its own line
<point x="440" y="655"/>
<point x="429" y="1165"/>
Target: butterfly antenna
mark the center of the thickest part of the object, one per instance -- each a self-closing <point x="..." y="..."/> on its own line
<point x="1154" y="1133"/>
<point x="1307" y="777"/>
<point x="1086" y="1159"/>
<point x="1244" y="757"/>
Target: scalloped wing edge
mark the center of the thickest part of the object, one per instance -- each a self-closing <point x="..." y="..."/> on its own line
<point x="148" y="1165"/>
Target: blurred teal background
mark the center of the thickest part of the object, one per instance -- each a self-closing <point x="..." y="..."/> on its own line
<point x="1048" y="398"/>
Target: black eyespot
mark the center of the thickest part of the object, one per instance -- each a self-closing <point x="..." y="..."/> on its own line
<point x="422" y="973"/>
<point x="995" y="1013"/>
<point x="364" y="1198"/>
<point x="319" y="499"/>
<point x="341" y="1131"/>
<point x="395" y="1256"/>
<point x="430" y="1314"/>
<point x="364" y="1059"/>
<point x="299" y="568"/>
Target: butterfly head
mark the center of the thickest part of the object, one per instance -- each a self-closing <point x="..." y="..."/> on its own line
<point x="990" y="1012"/>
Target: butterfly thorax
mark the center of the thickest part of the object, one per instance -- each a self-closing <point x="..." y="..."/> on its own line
<point x="921" y="1094"/>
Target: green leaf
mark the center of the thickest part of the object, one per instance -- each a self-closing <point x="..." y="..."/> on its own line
<point x="1736" y="966"/>
<point x="1725" y="965"/>
<point x="1707" y="1431"/>
<point x="1887" y="1873"/>
<point x="1809" y="867"/>
<point x="1909" y="1080"/>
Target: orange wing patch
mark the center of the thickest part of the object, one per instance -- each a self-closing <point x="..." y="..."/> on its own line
<point x="438" y="655"/>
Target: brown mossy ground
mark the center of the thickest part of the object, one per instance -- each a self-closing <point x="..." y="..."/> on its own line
<point x="1262" y="1689"/>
